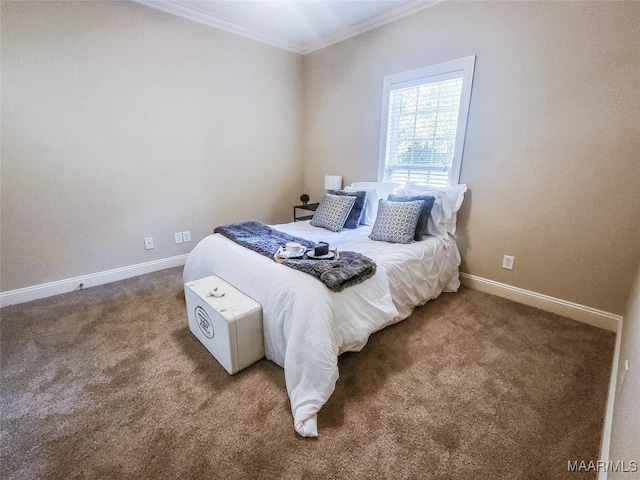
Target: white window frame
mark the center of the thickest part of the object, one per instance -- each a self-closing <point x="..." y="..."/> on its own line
<point x="418" y="76"/>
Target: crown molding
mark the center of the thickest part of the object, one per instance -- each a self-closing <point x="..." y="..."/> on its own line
<point x="195" y="14"/>
<point x="371" y="23"/>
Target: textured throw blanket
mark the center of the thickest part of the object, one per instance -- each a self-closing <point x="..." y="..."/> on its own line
<point x="350" y="269"/>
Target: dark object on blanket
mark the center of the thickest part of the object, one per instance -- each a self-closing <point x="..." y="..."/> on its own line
<point x="350" y="269"/>
<point x="322" y="248"/>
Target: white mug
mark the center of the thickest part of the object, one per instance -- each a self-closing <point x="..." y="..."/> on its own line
<point x="294" y="248"/>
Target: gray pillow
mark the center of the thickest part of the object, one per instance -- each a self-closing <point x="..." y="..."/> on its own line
<point x="396" y="221"/>
<point x="333" y="212"/>
<point x="425" y="211"/>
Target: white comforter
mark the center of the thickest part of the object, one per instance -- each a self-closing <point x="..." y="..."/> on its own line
<point x="306" y="326"/>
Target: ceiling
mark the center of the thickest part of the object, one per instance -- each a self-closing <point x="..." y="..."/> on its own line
<point x="300" y="26"/>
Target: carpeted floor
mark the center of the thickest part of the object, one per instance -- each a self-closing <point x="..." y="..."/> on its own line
<point x="110" y="383"/>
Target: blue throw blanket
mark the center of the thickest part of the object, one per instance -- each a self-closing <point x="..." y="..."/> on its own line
<point x="350" y="269"/>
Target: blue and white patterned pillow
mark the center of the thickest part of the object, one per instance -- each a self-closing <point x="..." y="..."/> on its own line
<point x="353" y="220"/>
<point x="423" y="219"/>
<point x="333" y="212"/>
<point x="396" y="221"/>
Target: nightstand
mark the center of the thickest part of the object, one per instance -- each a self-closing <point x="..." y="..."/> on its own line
<point x="309" y="207"/>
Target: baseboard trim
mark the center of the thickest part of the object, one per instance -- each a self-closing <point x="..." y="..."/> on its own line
<point x="35" y="292"/>
<point x="605" y="441"/>
<point x="575" y="311"/>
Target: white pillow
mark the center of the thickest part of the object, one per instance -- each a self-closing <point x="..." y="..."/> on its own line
<point x="384" y="189"/>
<point x="370" y="210"/>
<point x="443" y="214"/>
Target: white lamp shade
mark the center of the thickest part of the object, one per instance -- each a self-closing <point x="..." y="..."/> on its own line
<point x="332" y="182"/>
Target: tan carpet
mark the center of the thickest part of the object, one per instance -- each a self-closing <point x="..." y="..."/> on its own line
<point x="110" y="383"/>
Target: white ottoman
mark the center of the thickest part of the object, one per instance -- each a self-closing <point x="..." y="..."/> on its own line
<point x="226" y="321"/>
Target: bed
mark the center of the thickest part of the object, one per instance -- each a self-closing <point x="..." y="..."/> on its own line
<point x="307" y="326"/>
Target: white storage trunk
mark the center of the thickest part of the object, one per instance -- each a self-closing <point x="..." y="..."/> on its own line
<point x="226" y="321"/>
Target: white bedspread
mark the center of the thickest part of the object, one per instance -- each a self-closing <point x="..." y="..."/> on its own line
<point x="306" y="326"/>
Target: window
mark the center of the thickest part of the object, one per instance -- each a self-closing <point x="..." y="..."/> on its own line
<point x="424" y="118"/>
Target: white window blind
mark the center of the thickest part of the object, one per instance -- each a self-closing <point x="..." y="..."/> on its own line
<point x="424" y="131"/>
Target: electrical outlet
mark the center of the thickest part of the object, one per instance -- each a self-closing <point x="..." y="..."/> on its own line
<point x="178" y="237"/>
<point x="186" y="236"/>
<point x="148" y="243"/>
<point x="507" y="262"/>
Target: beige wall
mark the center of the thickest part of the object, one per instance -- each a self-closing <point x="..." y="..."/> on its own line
<point x="625" y="431"/>
<point x="551" y="156"/>
<point x="121" y="122"/>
